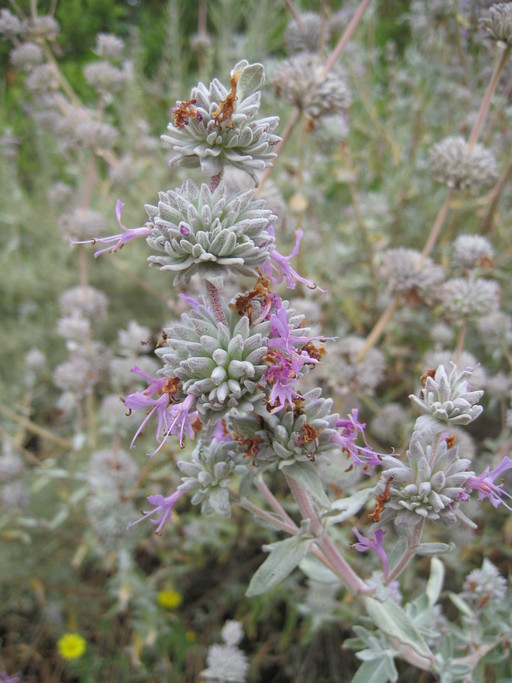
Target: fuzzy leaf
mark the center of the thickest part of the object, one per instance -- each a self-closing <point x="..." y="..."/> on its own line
<point x="434" y="548"/>
<point x="306" y="475"/>
<point x="344" y="508"/>
<point x="284" y="557"/>
<point x="251" y="79"/>
<point x="379" y="670"/>
<point x="461" y="604"/>
<point x="435" y="581"/>
<point x="391" y="619"/>
<point x="316" y="571"/>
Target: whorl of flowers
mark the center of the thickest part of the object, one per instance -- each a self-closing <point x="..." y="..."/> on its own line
<point x="462" y="169"/>
<point x="109" y="46"/>
<point x="10" y="25"/>
<point x="498" y="23"/>
<point x="409" y="276"/>
<point x="104" y="77"/>
<point x="200" y="231"/>
<point x="346" y="374"/>
<point x="85" y="300"/>
<point x="299" y="433"/>
<point x="305" y="37"/>
<point x="43" y="27"/>
<point x="26" y="56"/>
<point x="448" y="398"/>
<point x="472" y="251"/>
<point x="82" y="224"/>
<point x="207" y="476"/>
<point x="468" y="298"/>
<point x="219" y="364"/>
<point x="429" y="485"/>
<point x="218" y="127"/>
<point x="485" y="586"/>
<point x="296" y="81"/>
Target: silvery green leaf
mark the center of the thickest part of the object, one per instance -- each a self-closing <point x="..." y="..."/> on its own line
<point x="246" y="484"/>
<point x="305" y="474"/>
<point x="379" y="670"/>
<point x="392" y="619"/>
<point x="251" y="79"/>
<point x="434" y="548"/>
<point x="219" y="501"/>
<point x="435" y="581"/>
<point x="461" y="604"/>
<point x="284" y="557"/>
<point x="316" y="571"/>
<point x="344" y="508"/>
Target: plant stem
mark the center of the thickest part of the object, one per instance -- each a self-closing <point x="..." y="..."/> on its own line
<point x="378" y="329"/>
<point x="35" y="428"/>
<point x="342" y="43"/>
<point x="460" y="343"/>
<point x="436" y="229"/>
<point x="339" y="565"/>
<point x="409" y="553"/>
<point x="486" y="102"/>
<point x="284" y="139"/>
<point x="218" y="311"/>
<point x="496" y="194"/>
<point x="272" y="500"/>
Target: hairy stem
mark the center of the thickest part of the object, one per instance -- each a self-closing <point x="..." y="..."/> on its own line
<point x="460" y="343"/>
<point x="339" y="565"/>
<point x="409" y="553"/>
<point x="218" y="311"/>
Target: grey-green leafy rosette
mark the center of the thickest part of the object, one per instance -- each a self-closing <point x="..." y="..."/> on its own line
<point x="219" y="364"/>
<point x="293" y="435"/>
<point x="196" y="230"/>
<point x="218" y="127"/>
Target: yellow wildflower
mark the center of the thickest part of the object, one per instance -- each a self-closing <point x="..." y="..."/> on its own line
<point x="71" y="646"/>
<point x="170" y="599"/>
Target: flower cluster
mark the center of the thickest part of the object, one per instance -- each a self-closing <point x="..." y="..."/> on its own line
<point x="217" y="127"/>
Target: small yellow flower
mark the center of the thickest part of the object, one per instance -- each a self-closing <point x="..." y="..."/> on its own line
<point x="71" y="646"/>
<point x="190" y="636"/>
<point x="169" y="599"/>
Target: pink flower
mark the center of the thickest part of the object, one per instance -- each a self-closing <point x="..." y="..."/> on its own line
<point x="362" y="456"/>
<point x="173" y="417"/>
<point x="484" y="484"/>
<point x="280" y="265"/>
<point x="162" y="507"/>
<point x="375" y="544"/>
<point x="120" y="239"/>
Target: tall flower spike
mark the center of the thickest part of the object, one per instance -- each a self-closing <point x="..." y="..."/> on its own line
<point x="218" y="127"/>
<point x="118" y="241"/>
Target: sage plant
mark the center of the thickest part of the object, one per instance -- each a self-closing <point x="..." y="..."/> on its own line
<point x="231" y="384"/>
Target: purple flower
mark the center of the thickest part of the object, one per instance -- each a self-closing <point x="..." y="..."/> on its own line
<point x="280" y="265"/>
<point x="172" y="416"/>
<point x="362" y="456"/>
<point x="4" y="678"/>
<point x="364" y="544"/>
<point x="484" y="484"/>
<point x="282" y="376"/>
<point x="121" y="238"/>
<point x="194" y="303"/>
<point x="162" y="508"/>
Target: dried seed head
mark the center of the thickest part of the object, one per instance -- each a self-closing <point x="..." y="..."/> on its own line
<point x="498" y="22"/>
<point x="460" y="169"/>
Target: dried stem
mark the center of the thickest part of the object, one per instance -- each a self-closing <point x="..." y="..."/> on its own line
<point x="379" y="328"/>
<point x="34" y="428"/>
<point x="436" y="229"/>
<point x="486" y="102"/>
<point x="342" y="43"/>
<point x="460" y="343"/>
<point x="284" y="139"/>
